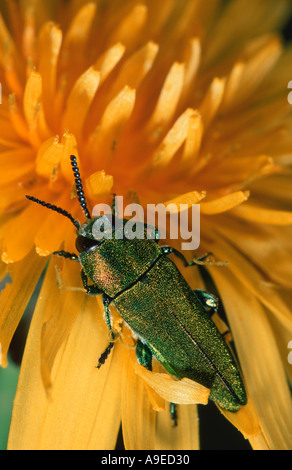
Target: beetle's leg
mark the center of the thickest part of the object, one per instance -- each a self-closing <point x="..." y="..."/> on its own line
<point x="91" y="290"/>
<point x="167" y="250"/>
<point x="210" y="304"/>
<point x="144" y="355"/>
<point x="103" y="357"/>
<point x="209" y="301"/>
<point x="201" y="260"/>
<point x="62" y="287"/>
<point x="67" y="255"/>
<point x="173" y="413"/>
<point x="204" y="261"/>
<point x="106" y="301"/>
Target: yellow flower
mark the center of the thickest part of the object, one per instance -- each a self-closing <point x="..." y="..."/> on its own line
<point x="171" y="101"/>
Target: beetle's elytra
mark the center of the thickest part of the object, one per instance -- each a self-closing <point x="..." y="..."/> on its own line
<point x="172" y="321"/>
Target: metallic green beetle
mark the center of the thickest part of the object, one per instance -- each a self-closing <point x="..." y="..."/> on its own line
<point x="171" y="321"/>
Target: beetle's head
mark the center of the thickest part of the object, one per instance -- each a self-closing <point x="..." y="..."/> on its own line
<point x="93" y="233"/>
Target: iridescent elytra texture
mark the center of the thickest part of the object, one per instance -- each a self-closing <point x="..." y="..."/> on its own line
<point x="154" y="299"/>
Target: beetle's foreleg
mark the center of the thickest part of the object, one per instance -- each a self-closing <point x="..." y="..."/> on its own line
<point x="62" y="287"/>
<point x="91" y="290"/>
<point x="67" y="255"/>
<point x="103" y="357"/>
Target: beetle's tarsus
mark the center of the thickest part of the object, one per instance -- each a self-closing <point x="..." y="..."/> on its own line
<point x="103" y="357"/>
<point x="201" y="260"/>
<point x="173" y="413"/>
<point x="204" y="261"/>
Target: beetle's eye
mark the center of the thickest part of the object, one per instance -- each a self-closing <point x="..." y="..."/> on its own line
<point x="85" y="244"/>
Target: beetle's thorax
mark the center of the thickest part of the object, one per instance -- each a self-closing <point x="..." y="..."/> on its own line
<point x="116" y="264"/>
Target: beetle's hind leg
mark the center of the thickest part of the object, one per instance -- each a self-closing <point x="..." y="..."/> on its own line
<point x="144" y="357"/>
<point x="173" y="413"/>
<point x="209" y="302"/>
<point x="103" y="357"/>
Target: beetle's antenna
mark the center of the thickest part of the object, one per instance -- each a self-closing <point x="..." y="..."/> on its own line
<point x="55" y="208"/>
<point x="79" y="187"/>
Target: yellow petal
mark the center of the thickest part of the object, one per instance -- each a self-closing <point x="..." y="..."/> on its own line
<point x="99" y="184"/>
<point x="84" y="399"/>
<point x="194" y="197"/>
<point x="184" y="436"/>
<point x="262" y="215"/>
<point x="69" y="145"/>
<point x="107" y="62"/>
<point x="23" y="165"/>
<point x="173" y="140"/>
<point x="32" y="105"/>
<point x="247" y="422"/>
<point x="193" y="140"/>
<point x="246" y="77"/>
<point x="130" y="27"/>
<point x="168" y="100"/>
<point x="192" y="63"/>
<point x="50" y="235"/>
<point x="19" y="235"/>
<point x="185" y="391"/>
<point x="212" y="101"/>
<point x="62" y="308"/>
<point x="224" y="203"/>
<point x="247" y="25"/>
<point x="250" y="277"/>
<point x="75" y="40"/>
<point x="251" y="244"/>
<point x="79" y="101"/>
<point x="49" y="157"/>
<point x="25" y="275"/>
<point x="105" y="138"/>
<point x="143" y="428"/>
<point x="135" y="68"/>
<point x="257" y="348"/>
<point x="138" y="415"/>
<point x="50" y="41"/>
<point x="32" y="97"/>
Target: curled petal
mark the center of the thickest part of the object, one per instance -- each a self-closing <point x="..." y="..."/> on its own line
<point x="224" y="203"/>
<point x="185" y="391"/>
